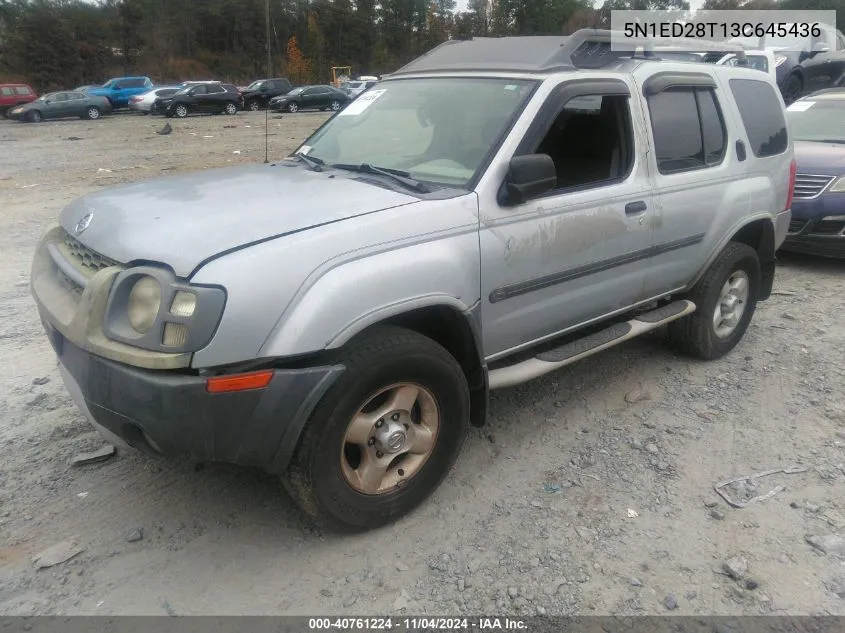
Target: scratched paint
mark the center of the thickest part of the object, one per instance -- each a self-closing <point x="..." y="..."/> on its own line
<point x="565" y="235"/>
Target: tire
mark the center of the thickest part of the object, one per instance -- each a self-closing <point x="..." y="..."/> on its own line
<point x="34" y="116"/>
<point x="793" y="89"/>
<point x="335" y="105"/>
<point x="323" y="477"/>
<point x="93" y="113"/>
<point x="253" y="105"/>
<point x="698" y="334"/>
<point x="231" y="108"/>
<point x="180" y="111"/>
<point x="293" y="107"/>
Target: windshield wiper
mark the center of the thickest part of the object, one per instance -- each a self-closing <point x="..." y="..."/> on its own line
<point x="402" y="177"/>
<point x="314" y="163"/>
<point x="831" y="140"/>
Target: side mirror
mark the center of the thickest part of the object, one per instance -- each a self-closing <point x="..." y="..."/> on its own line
<point x="529" y="176"/>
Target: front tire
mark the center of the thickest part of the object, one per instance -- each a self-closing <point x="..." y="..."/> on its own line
<point x="293" y="107"/>
<point x="253" y="105"/>
<point x="34" y="116"/>
<point x="725" y="300"/>
<point x="793" y="89"/>
<point x="384" y="436"/>
<point x="180" y="111"/>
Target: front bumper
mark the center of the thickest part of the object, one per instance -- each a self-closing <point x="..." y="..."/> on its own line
<point x="172" y="414"/>
<point x="817" y="227"/>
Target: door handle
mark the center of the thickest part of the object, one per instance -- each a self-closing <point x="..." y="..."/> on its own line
<point x="633" y="208"/>
<point x="740" y="151"/>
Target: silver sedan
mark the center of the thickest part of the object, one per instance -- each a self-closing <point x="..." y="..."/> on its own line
<point x="144" y="102"/>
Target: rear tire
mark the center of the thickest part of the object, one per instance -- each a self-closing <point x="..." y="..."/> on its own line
<point x="723" y="310"/>
<point x="793" y="89"/>
<point x="230" y="108"/>
<point x="93" y="113"/>
<point x="335" y="105"/>
<point x="324" y="478"/>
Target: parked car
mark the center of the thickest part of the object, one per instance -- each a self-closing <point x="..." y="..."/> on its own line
<point x="86" y="87"/>
<point x="257" y="95"/>
<point x="12" y="95"/>
<point x="118" y="91"/>
<point x="62" y="105"/>
<point x="355" y="88"/>
<point x="818" y="209"/>
<point x="211" y="98"/>
<point x="143" y="103"/>
<point x="804" y="64"/>
<point x="310" y="98"/>
<point x="426" y="252"/>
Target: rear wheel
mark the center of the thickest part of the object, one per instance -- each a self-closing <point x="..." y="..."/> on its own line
<point x="231" y="108"/>
<point x="385" y="435"/>
<point x="335" y="105"/>
<point x="293" y="107"/>
<point x="725" y="300"/>
<point x="92" y="113"/>
<point x="34" y="116"/>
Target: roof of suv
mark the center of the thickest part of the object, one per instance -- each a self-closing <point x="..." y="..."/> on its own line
<point x="586" y="48"/>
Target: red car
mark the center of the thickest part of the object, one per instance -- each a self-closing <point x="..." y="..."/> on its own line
<point x="12" y="95"/>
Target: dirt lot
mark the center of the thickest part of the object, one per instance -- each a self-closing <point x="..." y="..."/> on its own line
<point x="591" y="490"/>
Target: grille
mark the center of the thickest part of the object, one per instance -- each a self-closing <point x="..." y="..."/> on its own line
<point x="809" y="186"/>
<point x="795" y="226"/>
<point x="90" y="262"/>
<point x="829" y="227"/>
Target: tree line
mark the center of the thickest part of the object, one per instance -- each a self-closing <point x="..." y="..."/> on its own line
<point x="55" y="44"/>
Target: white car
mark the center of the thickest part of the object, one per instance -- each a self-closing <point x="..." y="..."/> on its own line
<point x="759" y="60"/>
<point x="144" y="102"/>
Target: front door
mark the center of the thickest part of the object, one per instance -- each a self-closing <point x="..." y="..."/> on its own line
<point x="578" y="252"/>
<point x="57" y="108"/>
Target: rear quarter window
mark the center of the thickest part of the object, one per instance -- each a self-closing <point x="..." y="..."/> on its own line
<point x="7" y="92"/>
<point x="762" y="116"/>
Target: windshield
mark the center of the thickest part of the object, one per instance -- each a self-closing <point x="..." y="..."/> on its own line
<point x="110" y="83"/>
<point x="822" y="120"/>
<point x="255" y="85"/>
<point x="296" y="91"/>
<point x="422" y="126"/>
<point x="354" y="84"/>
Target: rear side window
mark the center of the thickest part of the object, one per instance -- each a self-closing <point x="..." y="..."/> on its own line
<point x="23" y="90"/>
<point x="762" y="116"/>
<point x="688" y="127"/>
<point x="7" y="92"/>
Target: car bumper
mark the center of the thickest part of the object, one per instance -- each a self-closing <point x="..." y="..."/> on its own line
<point x="140" y="107"/>
<point x="173" y="415"/>
<point x="782" y="222"/>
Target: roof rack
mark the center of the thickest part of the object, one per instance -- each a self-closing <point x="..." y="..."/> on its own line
<point x="586" y="48"/>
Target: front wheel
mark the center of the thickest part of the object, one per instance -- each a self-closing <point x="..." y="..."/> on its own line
<point x="386" y="433"/>
<point x="34" y="116"/>
<point x="181" y="111"/>
<point x="253" y="105"/>
<point x="293" y="107"/>
<point x="725" y="300"/>
<point x="92" y="113"/>
<point x="793" y="88"/>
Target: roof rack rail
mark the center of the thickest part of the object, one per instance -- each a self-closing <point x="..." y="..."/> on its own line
<point x="586" y="48"/>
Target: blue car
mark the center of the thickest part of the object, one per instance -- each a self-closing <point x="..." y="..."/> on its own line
<point x="818" y="206"/>
<point x="119" y="90"/>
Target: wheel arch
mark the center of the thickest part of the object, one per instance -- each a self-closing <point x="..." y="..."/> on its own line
<point x="759" y="234"/>
<point x="458" y="332"/>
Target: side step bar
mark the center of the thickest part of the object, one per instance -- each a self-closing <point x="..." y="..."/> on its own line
<point x="574" y="351"/>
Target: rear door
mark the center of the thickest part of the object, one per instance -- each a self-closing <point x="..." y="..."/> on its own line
<point x="216" y="96"/>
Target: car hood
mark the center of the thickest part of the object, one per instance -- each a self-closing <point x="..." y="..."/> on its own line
<point x="183" y="221"/>
<point x="824" y="159"/>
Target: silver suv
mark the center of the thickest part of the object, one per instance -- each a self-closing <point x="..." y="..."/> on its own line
<point x="414" y="253"/>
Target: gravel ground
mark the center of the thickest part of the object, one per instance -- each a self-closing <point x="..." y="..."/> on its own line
<point x="590" y="491"/>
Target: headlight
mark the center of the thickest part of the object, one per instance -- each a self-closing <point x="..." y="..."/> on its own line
<point x="779" y="59"/>
<point x="17" y="110"/>
<point x="144" y="304"/>
<point x="838" y="185"/>
<point x="148" y="307"/>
